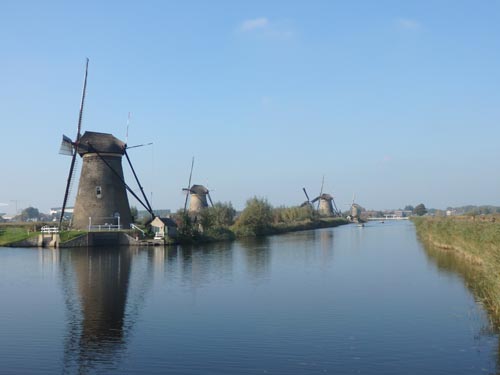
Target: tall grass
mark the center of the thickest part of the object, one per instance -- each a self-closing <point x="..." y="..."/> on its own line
<point x="474" y="241"/>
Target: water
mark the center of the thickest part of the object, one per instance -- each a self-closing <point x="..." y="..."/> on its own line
<point x="345" y="300"/>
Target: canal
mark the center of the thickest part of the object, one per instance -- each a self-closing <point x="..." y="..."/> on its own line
<point x="345" y="300"/>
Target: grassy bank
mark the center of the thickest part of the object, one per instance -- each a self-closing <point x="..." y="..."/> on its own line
<point x="14" y="232"/>
<point x="475" y="244"/>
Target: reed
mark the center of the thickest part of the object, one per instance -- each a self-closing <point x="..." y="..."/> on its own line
<point x="473" y="241"/>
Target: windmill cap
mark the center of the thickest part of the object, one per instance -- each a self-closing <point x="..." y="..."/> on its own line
<point x="100" y="142"/>
<point x="198" y="189"/>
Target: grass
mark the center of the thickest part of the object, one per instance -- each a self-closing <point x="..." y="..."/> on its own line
<point x="14" y="233"/>
<point x="474" y="244"/>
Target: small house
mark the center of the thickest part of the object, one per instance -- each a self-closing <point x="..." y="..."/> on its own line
<point x="164" y="227"/>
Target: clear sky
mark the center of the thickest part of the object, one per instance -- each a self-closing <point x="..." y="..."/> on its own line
<point x="396" y="101"/>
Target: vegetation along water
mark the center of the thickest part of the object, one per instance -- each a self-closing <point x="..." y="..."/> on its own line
<point x="474" y="240"/>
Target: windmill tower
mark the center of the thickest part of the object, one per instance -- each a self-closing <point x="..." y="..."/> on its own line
<point x="102" y="191"/>
<point x="325" y="205"/>
<point x="355" y="210"/>
<point x="197" y="196"/>
<point x="102" y="197"/>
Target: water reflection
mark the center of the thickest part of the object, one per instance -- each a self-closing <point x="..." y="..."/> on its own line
<point x="319" y="291"/>
<point x="257" y="256"/>
<point x="95" y="283"/>
<point x="449" y="263"/>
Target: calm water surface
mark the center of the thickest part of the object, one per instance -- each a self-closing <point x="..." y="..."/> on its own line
<point x="345" y="300"/>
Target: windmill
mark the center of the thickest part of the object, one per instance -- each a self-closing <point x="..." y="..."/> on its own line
<point x="102" y="191"/>
<point x="325" y="206"/>
<point x="326" y="203"/>
<point x="308" y="201"/>
<point x="197" y="195"/>
<point x="355" y="210"/>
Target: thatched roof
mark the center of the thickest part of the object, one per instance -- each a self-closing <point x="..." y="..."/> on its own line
<point x="100" y="142"/>
<point x="323" y="196"/>
<point x="198" y="189"/>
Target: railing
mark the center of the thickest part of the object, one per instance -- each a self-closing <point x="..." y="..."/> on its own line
<point x="105" y="227"/>
<point x="49" y="230"/>
<point x="137" y="228"/>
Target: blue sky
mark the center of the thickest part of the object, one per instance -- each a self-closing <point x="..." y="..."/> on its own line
<point x="395" y="101"/>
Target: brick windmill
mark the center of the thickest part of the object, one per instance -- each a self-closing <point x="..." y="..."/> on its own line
<point x="102" y="191"/>
<point x="326" y="203"/>
<point x="197" y="196"/>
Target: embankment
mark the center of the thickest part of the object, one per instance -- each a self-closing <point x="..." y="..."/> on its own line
<point x="475" y="245"/>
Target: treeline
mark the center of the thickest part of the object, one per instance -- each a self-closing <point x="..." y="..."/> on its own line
<point x="259" y="218"/>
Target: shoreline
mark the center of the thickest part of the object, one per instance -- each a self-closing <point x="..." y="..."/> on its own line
<point x="123" y="238"/>
<point x="471" y="248"/>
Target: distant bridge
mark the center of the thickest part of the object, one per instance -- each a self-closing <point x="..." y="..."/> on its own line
<point x="388" y="217"/>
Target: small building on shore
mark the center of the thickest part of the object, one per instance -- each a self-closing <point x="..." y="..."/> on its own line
<point x="164" y="227"/>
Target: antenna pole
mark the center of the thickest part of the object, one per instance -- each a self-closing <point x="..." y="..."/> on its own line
<point x="128" y="123"/>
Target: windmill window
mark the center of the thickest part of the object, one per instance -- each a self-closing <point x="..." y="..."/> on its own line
<point x="98" y="192"/>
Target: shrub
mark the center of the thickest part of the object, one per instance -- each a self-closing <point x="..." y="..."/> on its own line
<point x="256" y="219"/>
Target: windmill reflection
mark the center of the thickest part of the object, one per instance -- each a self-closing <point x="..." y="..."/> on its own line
<point x="95" y="282"/>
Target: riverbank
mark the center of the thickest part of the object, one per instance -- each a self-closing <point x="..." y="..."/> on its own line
<point x="475" y="242"/>
<point x="10" y="234"/>
<point x="234" y="232"/>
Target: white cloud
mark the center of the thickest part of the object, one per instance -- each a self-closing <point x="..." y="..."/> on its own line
<point x="408" y="24"/>
<point x="253" y="24"/>
<point x="263" y="27"/>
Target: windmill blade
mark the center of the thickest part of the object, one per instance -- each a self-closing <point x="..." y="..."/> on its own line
<point x="144" y="144"/>
<point x="75" y="145"/>
<point x="336" y="209"/>
<point x="189" y="185"/>
<point x="321" y="191"/>
<point x="66" y="146"/>
<point x="148" y="207"/>
<point x="210" y="199"/>
<point x="305" y="192"/>
<point x="79" y="128"/>
<point x="68" y="185"/>
<point x="315" y="199"/>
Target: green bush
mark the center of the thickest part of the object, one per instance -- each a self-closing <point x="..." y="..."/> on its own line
<point x="256" y="219"/>
<point x="221" y="215"/>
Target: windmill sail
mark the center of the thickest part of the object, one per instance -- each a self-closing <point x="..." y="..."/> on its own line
<point x="66" y="146"/>
<point x="67" y="141"/>
<point x="188" y="186"/>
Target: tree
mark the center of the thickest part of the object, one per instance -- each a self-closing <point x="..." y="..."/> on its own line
<point x="420" y="210"/>
<point x="29" y="213"/>
<point x="409" y="207"/>
<point x="134" y="213"/>
<point x="256" y="218"/>
<point x="220" y="215"/>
